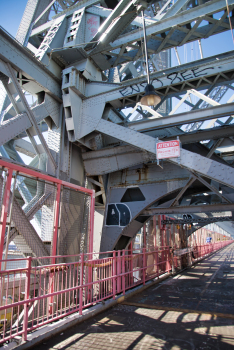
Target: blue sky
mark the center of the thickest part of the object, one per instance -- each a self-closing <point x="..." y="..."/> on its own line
<point x="11" y="12"/>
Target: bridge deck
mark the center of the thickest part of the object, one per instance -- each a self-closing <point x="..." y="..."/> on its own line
<point x="193" y="310"/>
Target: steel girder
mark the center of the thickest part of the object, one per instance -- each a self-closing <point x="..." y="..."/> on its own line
<point x="75" y="91"/>
<point x="196" y="75"/>
<point x="174" y="31"/>
<point x="204" y="221"/>
<point x="122" y="15"/>
<point x="214" y="208"/>
<point x="33" y="10"/>
<point x="183" y="118"/>
<point x="121" y="157"/>
<point x="22" y="60"/>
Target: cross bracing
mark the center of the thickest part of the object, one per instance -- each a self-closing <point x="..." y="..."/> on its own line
<point x="84" y="63"/>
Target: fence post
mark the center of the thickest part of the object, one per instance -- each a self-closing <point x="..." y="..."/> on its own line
<point x="114" y="274"/>
<point x="168" y="259"/>
<point x="81" y="284"/>
<point x="26" y="297"/>
<point x="5" y="205"/>
<point x="123" y="271"/>
<point x="157" y="262"/>
<point x="144" y="265"/>
<point x="131" y="264"/>
<point x="119" y="271"/>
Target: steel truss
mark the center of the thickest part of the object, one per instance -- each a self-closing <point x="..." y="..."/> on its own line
<point x="84" y="66"/>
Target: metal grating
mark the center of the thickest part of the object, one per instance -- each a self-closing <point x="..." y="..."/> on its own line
<point x="75" y="218"/>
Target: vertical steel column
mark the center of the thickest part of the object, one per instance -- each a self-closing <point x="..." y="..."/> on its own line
<point x="146" y="52"/>
<point x="56" y="223"/>
<point x="54" y="246"/>
<point x="26" y="297"/>
<point x="92" y="209"/>
<point x="155" y="231"/>
<point x="144" y="236"/>
<point x="90" y="255"/>
<point x="5" y="205"/>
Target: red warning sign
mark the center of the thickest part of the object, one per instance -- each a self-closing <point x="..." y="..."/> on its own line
<point x="168" y="149"/>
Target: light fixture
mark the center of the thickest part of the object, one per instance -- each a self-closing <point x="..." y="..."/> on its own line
<point x="150" y="98"/>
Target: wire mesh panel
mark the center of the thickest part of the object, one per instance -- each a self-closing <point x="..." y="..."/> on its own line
<point x="44" y="213"/>
<point x="74" y="222"/>
<point x="32" y="216"/>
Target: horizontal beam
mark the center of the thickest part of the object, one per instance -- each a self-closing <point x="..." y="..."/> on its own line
<point x="122" y="157"/>
<point x="175" y="80"/>
<point x="183" y="118"/>
<point x="202" y="135"/>
<point x="196" y="220"/>
<point x="188" y="160"/>
<point x="214" y="208"/>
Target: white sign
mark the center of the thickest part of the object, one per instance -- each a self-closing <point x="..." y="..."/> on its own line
<point x="168" y="149"/>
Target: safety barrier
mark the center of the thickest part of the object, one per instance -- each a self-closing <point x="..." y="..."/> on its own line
<point x="42" y="293"/>
<point x="43" y="215"/>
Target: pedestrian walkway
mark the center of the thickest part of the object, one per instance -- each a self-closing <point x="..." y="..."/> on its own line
<point x="193" y="310"/>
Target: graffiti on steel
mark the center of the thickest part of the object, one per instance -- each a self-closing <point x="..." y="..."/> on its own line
<point x="172" y="78"/>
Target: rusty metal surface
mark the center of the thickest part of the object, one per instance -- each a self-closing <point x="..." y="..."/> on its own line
<point x="133" y="327"/>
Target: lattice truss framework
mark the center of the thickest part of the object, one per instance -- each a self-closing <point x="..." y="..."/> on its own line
<point x="73" y="123"/>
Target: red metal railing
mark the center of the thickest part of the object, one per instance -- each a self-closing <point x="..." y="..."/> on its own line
<point x="28" y="300"/>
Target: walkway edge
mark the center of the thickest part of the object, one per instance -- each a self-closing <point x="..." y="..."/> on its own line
<point x="50" y="330"/>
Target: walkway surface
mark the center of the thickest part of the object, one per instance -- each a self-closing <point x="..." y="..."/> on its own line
<point x="193" y="310"/>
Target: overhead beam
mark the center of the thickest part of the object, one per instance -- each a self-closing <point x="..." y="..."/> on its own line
<point x="197" y="75"/>
<point x="121" y="157"/>
<point x="183" y="118"/>
<point x="214" y="208"/>
<point x="188" y="160"/>
<point x="206" y="221"/>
